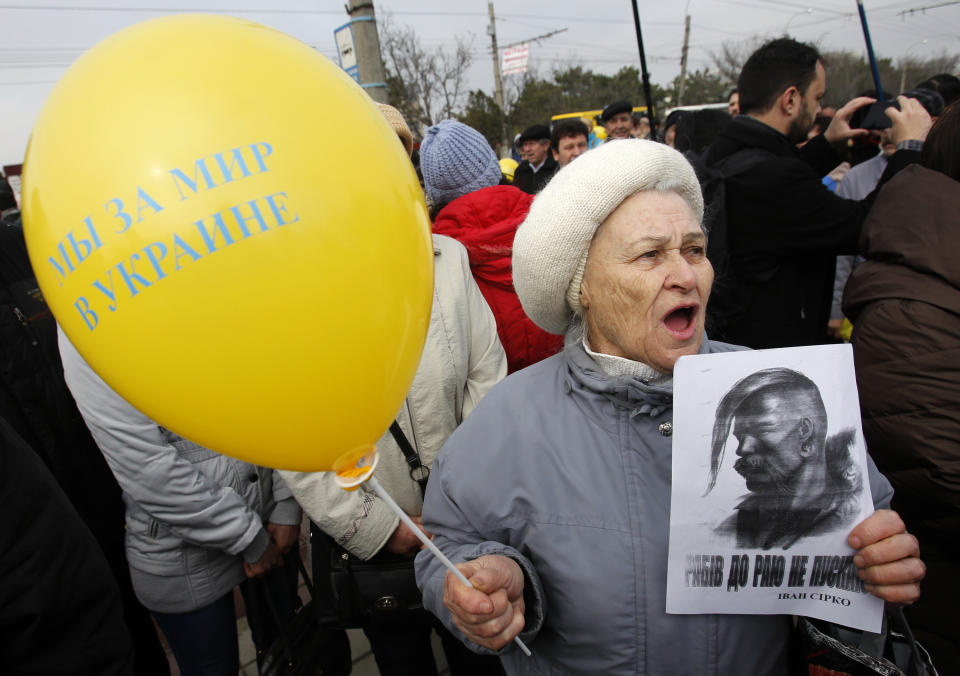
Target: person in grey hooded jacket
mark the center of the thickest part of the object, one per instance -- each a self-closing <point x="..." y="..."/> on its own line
<point x="554" y="496"/>
<point x="198" y="523"/>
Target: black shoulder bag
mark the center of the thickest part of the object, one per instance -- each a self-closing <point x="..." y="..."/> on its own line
<point x="385" y="585"/>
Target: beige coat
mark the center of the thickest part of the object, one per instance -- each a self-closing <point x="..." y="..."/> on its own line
<point x="462" y="359"/>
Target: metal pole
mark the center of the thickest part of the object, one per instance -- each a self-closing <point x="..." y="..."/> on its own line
<point x="683" y="60"/>
<point x="648" y="98"/>
<point x="873" y="59"/>
<point x="498" y="84"/>
<point x="367" y="43"/>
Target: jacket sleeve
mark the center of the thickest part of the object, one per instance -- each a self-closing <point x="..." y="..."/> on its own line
<point x="819" y="155"/>
<point x="880" y="488"/>
<point x="357" y="520"/>
<point x="287" y="510"/>
<point x="813" y="219"/>
<point x="152" y="473"/>
<point x="845" y="265"/>
<point x="459" y="541"/>
<point x="488" y="361"/>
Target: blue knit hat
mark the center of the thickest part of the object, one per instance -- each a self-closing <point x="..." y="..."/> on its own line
<point x="455" y="160"/>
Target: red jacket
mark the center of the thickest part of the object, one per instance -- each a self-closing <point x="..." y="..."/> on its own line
<point x="485" y="222"/>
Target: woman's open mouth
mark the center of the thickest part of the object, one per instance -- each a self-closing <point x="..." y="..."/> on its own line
<point x="681" y="322"/>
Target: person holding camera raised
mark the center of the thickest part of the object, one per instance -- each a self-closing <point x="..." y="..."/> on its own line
<point x="784" y="227"/>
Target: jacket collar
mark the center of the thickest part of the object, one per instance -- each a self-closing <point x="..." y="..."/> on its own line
<point x="627" y="392"/>
<point x="745" y="131"/>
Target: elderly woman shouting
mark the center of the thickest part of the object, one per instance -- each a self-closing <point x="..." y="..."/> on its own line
<point x="554" y="495"/>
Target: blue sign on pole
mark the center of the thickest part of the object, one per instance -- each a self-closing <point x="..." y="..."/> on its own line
<point x="346" y="53"/>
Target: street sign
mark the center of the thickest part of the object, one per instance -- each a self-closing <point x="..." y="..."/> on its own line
<point x="345" y="50"/>
<point x="515" y="59"/>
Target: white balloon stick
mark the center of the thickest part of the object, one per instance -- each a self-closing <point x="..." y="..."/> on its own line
<point x="375" y="485"/>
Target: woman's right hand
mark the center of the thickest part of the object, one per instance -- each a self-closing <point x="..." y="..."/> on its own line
<point x="271" y="558"/>
<point x="491" y="613"/>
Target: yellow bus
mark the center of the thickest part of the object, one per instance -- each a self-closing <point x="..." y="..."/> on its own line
<point x="590" y="114"/>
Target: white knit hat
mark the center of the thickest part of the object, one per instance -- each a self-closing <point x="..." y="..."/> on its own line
<point x="551" y="245"/>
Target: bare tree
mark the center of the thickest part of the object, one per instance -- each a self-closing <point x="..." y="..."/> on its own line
<point x="731" y="56"/>
<point x="425" y="85"/>
<point x="848" y="73"/>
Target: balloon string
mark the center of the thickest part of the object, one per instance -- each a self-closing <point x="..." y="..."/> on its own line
<point x="375" y="485"/>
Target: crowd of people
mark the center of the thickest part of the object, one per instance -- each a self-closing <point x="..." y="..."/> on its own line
<point x="540" y="417"/>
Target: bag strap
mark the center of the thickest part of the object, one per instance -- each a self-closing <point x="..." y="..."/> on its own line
<point x="418" y="471"/>
<point x="266" y="594"/>
<point x="898" y="622"/>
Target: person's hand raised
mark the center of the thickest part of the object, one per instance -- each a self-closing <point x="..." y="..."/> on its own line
<point x="840" y="129"/>
<point x="912" y="121"/>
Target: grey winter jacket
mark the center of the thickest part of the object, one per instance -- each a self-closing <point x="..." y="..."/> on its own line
<point x="191" y="513"/>
<point x="567" y="471"/>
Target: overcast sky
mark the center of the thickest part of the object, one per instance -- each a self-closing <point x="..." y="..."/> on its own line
<point x="39" y="39"/>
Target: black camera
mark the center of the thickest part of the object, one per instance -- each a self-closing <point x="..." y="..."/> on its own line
<point x="873" y="116"/>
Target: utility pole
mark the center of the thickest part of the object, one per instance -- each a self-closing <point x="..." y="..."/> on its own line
<point x="683" y="60"/>
<point x="366" y="42"/>
<point x="498" y="83"/>
<point x="645" y="74"/>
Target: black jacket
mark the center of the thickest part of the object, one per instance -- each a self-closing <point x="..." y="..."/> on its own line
<point x="785" y="229"/>
<point x="60" y="610"/>
<point x="34" y="398"/>
<point x="36" y="404"/>
<point x="532" y="182"/>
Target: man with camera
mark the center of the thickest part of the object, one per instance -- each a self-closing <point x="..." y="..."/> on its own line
<point x="784" y="227"/>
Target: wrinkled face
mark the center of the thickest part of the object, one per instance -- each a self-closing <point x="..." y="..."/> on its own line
<point x="809" y="107"/>
<point x="534" y="152"/>
<point x="771" y="437"/>
<point x="647" y="281"/>
<point x="619" y="126"/>
<point x="569" y="148"/>
<point x="733" y="105"/>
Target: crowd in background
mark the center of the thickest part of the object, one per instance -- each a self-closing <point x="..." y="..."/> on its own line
<point x="815" y="230"/>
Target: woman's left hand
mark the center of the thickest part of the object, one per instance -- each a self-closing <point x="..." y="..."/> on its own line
<point x="888" y="557"/>
<point x="284" y="536"/>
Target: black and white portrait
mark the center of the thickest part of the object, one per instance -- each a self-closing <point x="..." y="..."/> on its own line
<point x="769" y="476"/>
<point x="800" y="480"/>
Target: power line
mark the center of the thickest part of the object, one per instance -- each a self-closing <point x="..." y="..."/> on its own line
<point x="913" y="10"/>
<point x="109" y="8"/>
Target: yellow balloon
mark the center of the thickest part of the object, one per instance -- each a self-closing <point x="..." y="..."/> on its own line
<point x="231" y="234"/>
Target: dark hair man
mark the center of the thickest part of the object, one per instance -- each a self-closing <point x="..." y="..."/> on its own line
<point x="617" y="120"/>
<point x="569" y="141"/>
<point x="733" y="103"/>
<point x="784" y="228"/>
<point x="801" y="483"/>
<point x="537" y="167"/>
